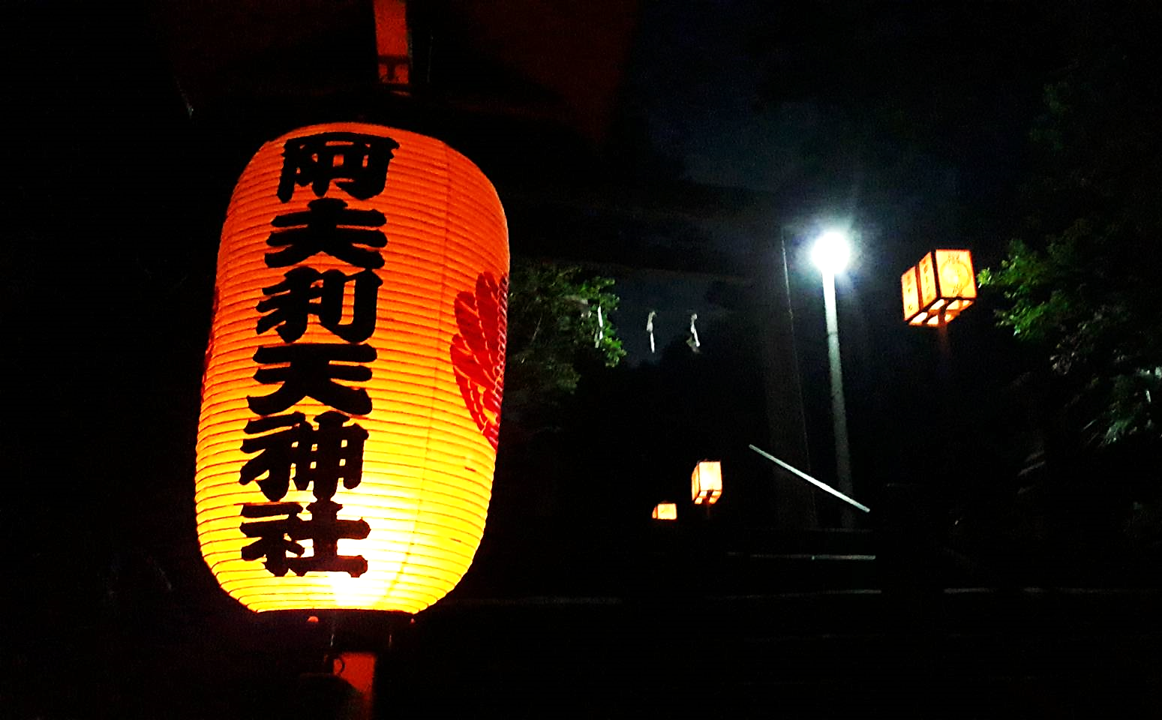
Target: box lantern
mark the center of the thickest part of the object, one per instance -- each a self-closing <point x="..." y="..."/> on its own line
<point x="353" y="379"/>
<point x="938" y="288"/>
<point x="706" y="482"/>
<point x="665" y="511"/>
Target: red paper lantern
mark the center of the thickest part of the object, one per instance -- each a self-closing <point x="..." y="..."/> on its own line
<point x="351" y="398"/>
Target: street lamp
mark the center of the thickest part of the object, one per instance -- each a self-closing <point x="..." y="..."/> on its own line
<point x="830" y="254"/>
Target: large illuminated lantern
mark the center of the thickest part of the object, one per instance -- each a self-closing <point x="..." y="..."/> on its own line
<point x="351" y="397"/>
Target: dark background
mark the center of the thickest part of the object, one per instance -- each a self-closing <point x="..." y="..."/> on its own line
<point x="671" y="146"/>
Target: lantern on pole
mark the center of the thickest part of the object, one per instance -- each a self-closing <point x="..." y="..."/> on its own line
<point x="353" y="379"/>
<point x="938" y="288"/>
<point x="706" y="482"/>
<point x="665" y="511"/>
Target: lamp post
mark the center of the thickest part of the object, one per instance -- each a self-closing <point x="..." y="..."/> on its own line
<point x="936" y="290"/>
<point x="830" y="254"/>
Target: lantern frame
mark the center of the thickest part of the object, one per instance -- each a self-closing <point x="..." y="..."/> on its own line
<point x="938" y="288"/>
<point x="706" y="482"/>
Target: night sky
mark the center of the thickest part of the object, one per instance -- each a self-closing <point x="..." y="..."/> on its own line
<point x="708" y="132"/>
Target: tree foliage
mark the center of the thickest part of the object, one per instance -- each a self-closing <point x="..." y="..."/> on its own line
<point x="559" y="320"/>
<point x="1081" y="279"/>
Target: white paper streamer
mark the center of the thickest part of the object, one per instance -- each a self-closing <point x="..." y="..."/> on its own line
<point x="650" y="330"/>
<point x="600" y="334"/>
<point x="694" y="342"/>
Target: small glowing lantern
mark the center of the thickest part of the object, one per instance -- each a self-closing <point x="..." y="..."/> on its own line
<point x="665" y="511"/>
<point x="938" y="288"/>
<point x="352" y="387"/>
<point x="706" y="482"/>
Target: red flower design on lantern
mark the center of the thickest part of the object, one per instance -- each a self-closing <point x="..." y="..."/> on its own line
<point x="478" y="351"/>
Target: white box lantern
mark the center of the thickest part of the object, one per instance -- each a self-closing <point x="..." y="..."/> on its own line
<point x="665" y="511"/>
<point x="706" y="482"/>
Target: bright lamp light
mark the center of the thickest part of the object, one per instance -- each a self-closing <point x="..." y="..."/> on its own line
<point x="831" y="252"/>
